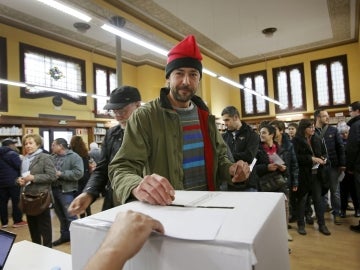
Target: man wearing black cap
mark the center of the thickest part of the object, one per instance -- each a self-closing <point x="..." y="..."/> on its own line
<point x="10" y="164"/>
<point x="173" y="140"/>
<point x="123" y="101"/>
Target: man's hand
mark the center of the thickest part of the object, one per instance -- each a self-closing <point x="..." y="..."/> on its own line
<point x="80" y="203"/>
<point x="240" y="171"/>
<point x="154" y="189"/>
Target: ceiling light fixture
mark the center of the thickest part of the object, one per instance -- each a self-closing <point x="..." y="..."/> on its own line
<point x="81" y="27"/>
<point x="269" y="32"/>
<point x="66" y="9"/>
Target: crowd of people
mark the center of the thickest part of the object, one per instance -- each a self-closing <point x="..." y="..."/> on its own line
<point x="172" y="143"/>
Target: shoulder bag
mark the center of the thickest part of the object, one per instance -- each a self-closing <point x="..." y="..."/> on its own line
<point x="34" y="203"/>
<point x="272" y="182"/>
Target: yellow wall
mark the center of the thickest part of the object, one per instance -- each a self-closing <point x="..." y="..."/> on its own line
<point x="353" y="56"/>
<point x="149" y="80"/>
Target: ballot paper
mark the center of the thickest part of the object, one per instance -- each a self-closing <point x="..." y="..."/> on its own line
<point x="275" y="158"/>
<point x="195" y="223"/>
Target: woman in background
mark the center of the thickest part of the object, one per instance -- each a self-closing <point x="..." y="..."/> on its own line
<point x="38" y="172"/>
<point x="78" y="145"/>
<point x="311" y="156"/>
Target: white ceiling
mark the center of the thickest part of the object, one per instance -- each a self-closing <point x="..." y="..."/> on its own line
<point x="228" y="31"/>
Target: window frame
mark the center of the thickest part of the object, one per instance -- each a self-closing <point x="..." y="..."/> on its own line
<point x="288" y="69"/>
<point x="108" y="70"/>
<point x="327" y="61"/>
<point x="24" y="93"/>
<point x="242" y="77"/>
<point x="3" y="75"/>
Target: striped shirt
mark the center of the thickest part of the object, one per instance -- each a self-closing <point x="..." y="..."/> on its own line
<point x="193" y="149"/>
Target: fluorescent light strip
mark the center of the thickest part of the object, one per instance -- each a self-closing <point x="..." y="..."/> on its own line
<point x="66" y="9"/>
<point x="56" y="90"/>
<point x="20" y="84"/>
<point x="131" y="38"/>
<point x="208" y="72"/>
<point x="100" y="97"/>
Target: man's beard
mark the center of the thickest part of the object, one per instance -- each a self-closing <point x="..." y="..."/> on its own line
<point x="181" y="98"/>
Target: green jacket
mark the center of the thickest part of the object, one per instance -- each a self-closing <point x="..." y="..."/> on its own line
<point x="153" y="143"/>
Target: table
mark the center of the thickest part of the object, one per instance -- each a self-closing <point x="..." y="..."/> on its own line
<point x="251" y="235"/>
<point x="31" y="256"/>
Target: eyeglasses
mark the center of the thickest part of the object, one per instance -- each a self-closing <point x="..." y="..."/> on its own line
<point x="122" y="111"/>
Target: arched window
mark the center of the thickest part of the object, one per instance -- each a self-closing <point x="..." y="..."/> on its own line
<point x="105" y="82"/>
<point x="289" y="88"/>
<point x="330" y="82"/>
<point x="49" y="70"/>
<point x="252" y="105"/>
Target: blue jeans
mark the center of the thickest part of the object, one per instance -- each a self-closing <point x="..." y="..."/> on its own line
<point x="333" y="174"/>
<point x="62" y="200"/>
<point x="6" y="193"/>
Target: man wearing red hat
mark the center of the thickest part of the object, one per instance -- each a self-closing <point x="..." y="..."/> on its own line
<point x="173" y="140"/>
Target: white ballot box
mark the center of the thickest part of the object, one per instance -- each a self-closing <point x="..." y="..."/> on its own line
<point x="203" y="230"/>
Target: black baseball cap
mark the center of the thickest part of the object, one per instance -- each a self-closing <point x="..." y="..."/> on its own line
<point x="8" y="141"/>
<point x="122" y="96"/>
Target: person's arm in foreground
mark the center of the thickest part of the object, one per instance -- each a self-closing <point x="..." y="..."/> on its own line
<point x="125" y="238"/>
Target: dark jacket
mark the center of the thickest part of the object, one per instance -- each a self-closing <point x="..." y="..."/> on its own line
<point x="10" y="164"/>
<point x="245" y="145"/>
<point x="353" y="145"/>
<point x="334" y="146"/>
<point x="110" y="146"/>
<point x="304" y="154"/>
<point x="287" y="153"/>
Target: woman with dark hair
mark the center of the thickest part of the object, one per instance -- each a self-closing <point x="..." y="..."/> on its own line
<point x="274" y="162"/>
<point x="78" y="145"/>
<point x="311" y="156"/>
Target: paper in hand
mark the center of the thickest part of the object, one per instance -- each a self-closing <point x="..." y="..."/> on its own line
<point x="275" y="158"/>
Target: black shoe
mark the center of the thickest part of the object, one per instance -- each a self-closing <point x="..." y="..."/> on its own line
<point x="309" y="220"/>
<point x="324" y="230"/>
<point x="357" y="213"/>
<point x="355" y="228"/>
<point x="301" y="230"/>
<point x="60" y="241"/>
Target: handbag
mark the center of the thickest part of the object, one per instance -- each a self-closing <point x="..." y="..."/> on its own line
<point x="34" y="203"/>
<point x="272" y="182"/>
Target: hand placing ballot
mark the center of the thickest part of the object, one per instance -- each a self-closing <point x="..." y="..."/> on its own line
<point x="240" y="171"/>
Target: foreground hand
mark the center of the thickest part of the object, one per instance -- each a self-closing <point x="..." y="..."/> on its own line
<point x="240" y="171"/>
<point x="80" y="203"/>
<point x="125" y="238"/>
<point x="154" y="189"/>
